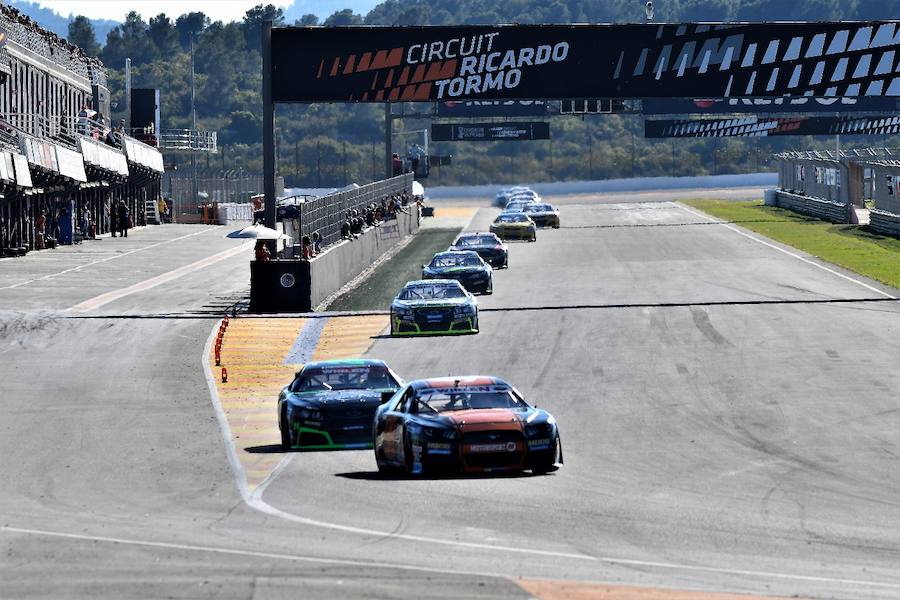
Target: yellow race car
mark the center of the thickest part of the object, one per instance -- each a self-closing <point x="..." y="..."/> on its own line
<point x="514" y="226"/>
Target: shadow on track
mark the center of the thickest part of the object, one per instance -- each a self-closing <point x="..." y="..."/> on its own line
<point x="278" y="449"/>
<point x="379" y="476"/>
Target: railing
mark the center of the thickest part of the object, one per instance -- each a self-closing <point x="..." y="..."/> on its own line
<point x="181" y="140"/>
<point x="327" y="213"/>
<point x="26" y="33"/>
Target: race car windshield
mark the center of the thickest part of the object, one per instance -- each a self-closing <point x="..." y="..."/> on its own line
<point x="455" y="260"/>
<point x="539" y="208"/>
<point x="478" y="240"/>
<point x="441" y="401"/>
<point x="513" y="218"/>
<point x="431" y="292"/>
<point x="362" y="377"/>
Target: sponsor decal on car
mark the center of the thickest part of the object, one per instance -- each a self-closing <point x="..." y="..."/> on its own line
<point x="507" y="447"/>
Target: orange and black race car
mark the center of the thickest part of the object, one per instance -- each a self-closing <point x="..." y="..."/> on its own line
<point x="473" y="424"/>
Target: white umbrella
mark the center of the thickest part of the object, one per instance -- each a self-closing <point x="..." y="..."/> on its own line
<point x="418" y="189"/>
<point x="258" y="232"/>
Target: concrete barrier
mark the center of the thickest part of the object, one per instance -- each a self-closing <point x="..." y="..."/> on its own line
<point x="612" y="185"/>
<point x="343" y="261"/>
<point x="884" y="222"/>
<point x="834" y="212"/>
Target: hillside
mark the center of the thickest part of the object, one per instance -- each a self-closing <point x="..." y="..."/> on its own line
<point x="334" y="144"/>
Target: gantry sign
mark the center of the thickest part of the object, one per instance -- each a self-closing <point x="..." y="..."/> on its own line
<point x="379" y="64"/>
<point x="714" y="60"/>
<point x="760" y="126"/>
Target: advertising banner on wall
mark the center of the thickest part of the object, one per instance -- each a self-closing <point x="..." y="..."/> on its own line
<point x="774" y="126"/>
<point x="489" y="132"/>
<point x="761" y="106"/>
<point x="377" y="64"/>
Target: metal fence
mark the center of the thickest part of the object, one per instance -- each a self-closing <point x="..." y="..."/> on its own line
<point x="212" y="186"/>
<point x="327" y="213"/>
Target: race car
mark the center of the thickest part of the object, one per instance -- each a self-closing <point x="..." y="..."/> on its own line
<point x="517" y="205"/>
<point x="466" y="267"/>
<point x="330" y="404"/>
<point x="543" y="215"/>
<point x="504" y="196"/>
<point x="473" y="424"/>
<point x="434" y="306"/>
<point x="487" y="245"/>
<point x="514" y="226"/>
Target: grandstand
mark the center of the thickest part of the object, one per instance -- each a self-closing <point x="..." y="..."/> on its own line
<point x="57" y="152"/>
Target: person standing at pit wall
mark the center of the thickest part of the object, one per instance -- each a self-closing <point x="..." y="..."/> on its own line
<point x="122" y="215"/>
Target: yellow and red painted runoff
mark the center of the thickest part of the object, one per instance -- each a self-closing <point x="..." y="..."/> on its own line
<point x="247" y="362"/>
<point x="571" y="590"/>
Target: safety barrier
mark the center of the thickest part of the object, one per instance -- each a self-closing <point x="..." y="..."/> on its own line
<point x="326" y="213"/>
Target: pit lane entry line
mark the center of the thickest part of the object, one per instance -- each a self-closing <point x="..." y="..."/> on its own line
<point x="254" y="499"/>
<point x="758" y="240"/>
<point x="104" y="299"/>
<point x="102" y="260"/>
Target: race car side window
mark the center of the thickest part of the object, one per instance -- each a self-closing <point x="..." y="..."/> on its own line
<point x="404" y="403"/>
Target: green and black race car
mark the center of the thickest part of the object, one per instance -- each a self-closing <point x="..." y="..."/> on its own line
<point x="330" y="404"/>
<point x="434" y="306"/>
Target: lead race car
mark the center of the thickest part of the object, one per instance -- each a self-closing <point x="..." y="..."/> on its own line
<point x="488" y="246"/>
<point x="330" y="404"/>
<point x="434" y="306"/>
<point x="473" y="424"/>
<point x="465" y="267"/>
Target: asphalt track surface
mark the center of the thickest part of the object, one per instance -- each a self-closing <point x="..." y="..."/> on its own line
<point x="729" y="411"/>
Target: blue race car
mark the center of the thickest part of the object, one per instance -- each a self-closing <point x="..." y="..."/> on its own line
<point x="330" y="404"/>
<point x="434" y="306"/>
<point x="468" y="268"/>
<point x="488" y="246"/>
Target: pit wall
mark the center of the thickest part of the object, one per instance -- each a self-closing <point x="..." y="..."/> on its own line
<point x="298" y="286"/>
<point x="343" y="261"/>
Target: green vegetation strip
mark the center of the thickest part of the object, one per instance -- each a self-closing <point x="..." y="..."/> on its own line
<point x="377" y="291"/>
<point x="853" y="247"/>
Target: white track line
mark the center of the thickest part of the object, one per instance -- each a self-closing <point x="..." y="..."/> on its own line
<point x="104" y="299"/>
<point x="783" y="251"/>
<point x="254" y="500"/>
<point x="408" y="567"/>
<point x="102" y="260"/>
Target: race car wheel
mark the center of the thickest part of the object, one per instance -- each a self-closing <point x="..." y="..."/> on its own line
<point x="533" y="238"/>
<point x="407" y="455"/>
<point x="383" y="466"/>
<point x="285" y="428"/>
<point x="551" y="466"/>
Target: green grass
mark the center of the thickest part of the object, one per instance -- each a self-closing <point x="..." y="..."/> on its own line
<point x="853" y="247"/>
<point x="380" y="288"/>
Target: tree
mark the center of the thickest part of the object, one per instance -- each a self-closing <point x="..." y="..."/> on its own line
<point x="253" y="20"/>
<point x="190" y="24"/>
<point x="81" y="33"/>
<point x="343" y="17"/>
<point x="307" y="21"/>
<point x="162" y="33"/>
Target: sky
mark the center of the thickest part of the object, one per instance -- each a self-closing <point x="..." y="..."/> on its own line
<point x="217" y="10"/>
